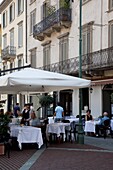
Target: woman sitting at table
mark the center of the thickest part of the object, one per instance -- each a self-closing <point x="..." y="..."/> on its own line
<point x="34" y="120"/>
<point x="88" y="115"/>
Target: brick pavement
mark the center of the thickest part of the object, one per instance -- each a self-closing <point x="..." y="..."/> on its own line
<point x="68" y="156"/>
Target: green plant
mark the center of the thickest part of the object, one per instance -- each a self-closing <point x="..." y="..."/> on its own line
<point x="65" y="4"/>
<point x="45" y="100"/>
<point x="4" y="128"/>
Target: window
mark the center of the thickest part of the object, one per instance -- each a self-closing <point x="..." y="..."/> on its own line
<point x="32" y="20"/>
<point x="33" y="58"/>
<point x="20" y="6"/>
<point x="11" y="66"/>
<point x="12" y="37"/>
<point x="63" y="48"/>
<point x="110" y="4"/>
<point x="11" y="12"/>
<point x="4" y="19"/>
<point x="20" y="61"/>
<point x="46" y="55"/>
<point x="20" y="34"/>
<point x="86" y="40"/>
<point x="111" y="34"/>
<point x="4" y="41"/>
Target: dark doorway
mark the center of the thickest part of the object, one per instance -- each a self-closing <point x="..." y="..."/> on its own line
<point x="66" y="101"/>
<point x="107" y="104"/>
<point x="85" y="97"/>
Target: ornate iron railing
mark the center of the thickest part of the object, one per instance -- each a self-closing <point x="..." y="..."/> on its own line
<point x="99" y="60"/>
<point x="9" y="51"/>
<point x="61" y="14"/>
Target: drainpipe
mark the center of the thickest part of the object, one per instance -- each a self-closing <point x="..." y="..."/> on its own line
<point x="26" y="29"/>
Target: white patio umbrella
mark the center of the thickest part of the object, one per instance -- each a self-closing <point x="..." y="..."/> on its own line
<point x="35" y="80"/>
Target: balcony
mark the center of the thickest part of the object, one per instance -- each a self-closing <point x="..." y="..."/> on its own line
<point x="8" y="53"/>
<point x="94" y="63"/>
<point x="54" y="22"/>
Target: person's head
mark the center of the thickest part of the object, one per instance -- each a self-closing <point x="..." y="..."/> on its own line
<point x="33" y="115"/>
<point x="28" y="106"/>
<point x="88" y="112"/>
<point x="58" y="104"/>
<point x="105" y="114"/>
<point x="17" y="104"/>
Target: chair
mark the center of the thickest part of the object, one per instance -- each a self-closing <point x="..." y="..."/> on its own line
<point x="65" y="121"/>
<point x="106" y="127"/>
<point x="72" y="130"/>
<point x="7" y="144"/>
<point x="77" y="116"/>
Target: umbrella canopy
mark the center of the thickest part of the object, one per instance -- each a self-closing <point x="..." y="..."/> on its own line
<point x="35" y="80"/>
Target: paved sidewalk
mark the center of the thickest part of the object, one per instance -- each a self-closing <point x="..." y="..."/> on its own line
<point x="96" y="153"/>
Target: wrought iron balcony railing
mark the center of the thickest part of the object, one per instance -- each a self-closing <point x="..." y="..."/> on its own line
<point x="99" y="60"/>
<point x="8" y="52"/>
<point x="61" y="15"/>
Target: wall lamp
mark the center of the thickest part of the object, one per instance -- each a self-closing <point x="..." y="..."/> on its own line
<point x="91" y="90"/>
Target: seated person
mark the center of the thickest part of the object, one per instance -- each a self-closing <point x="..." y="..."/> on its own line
<point x="88" y="115"/>
<point x="34" y="120"/>
<point x="9" y="113"/>
<point x="101" y="123"/>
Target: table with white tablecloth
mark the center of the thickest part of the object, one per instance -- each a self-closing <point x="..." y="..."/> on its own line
<point x="71" y="119"/>
<point x="57" y="128"/>
<point x="111" y="124"/>
<point x="27" y="134"/>
<point x="90" y="126"/>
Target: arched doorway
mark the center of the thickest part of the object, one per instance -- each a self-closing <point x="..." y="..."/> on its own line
<point x="107" y="104"/>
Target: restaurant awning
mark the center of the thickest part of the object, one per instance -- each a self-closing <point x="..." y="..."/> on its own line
<point x="102" y="82"/>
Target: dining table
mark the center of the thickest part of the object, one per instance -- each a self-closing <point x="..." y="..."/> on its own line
<point x="72" y="118"/>
<point x="57" y="128"/>
<point x="26" y="134"/>
<point x="90" y="125"/>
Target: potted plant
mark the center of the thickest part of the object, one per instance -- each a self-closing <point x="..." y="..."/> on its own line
<point x="4" y="128"/>
<point x="45" y="101"/>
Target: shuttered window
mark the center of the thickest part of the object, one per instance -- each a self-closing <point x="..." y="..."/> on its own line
<point x="12" y="37"/>
<point x="4" y="19"/>
<point x="11" y="12"/>
<point x="32" y="20"/>
<point x="111" y="35"/>
<point x="86" y="40"/>
<point x="20" y="6"/>
<point x="46" y="55"/>
<point x="63" y="48"/>
<point x="20" y="34"/>
<point x="110" y="4"/>
<point x="33" y="58"/>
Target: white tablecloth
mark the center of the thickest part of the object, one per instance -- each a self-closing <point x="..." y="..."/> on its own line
<point x="90" y="126"/>
<point x="51" y="120"/>
<point x="111" y="123"/>
<point x="73" y="119"/>
<point x="57" y="128"/>
<point x="27" y="134"/>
